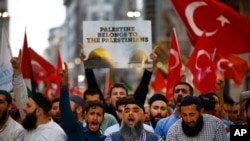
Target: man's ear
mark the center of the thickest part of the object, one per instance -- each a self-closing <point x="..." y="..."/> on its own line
<point x="202" y="111"/>
<point x="79" y="109"/>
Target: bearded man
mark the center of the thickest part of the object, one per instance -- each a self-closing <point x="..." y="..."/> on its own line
<point x="194" y="125"/>
<point x="132" y="125"/>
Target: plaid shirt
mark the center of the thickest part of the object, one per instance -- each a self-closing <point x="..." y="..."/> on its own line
<point x="213" y="130"/>
<point x="142" y="137"/>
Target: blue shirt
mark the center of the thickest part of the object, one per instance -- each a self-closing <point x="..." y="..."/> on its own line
<point x="164" y="124"/>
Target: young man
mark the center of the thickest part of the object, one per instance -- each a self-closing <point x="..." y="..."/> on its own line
<point x="180" y="90"/>
<point x="73" y="128"/>
<point x="10" y="130"/>
<point x="95" y="95"/>
<point x="194" y="125"/>
<point x="132" y="125"/>
<point x="158" y="106"/>
<point x="55" y="111"/>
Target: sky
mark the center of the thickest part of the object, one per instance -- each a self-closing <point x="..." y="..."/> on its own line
<point x="37" y="16"/>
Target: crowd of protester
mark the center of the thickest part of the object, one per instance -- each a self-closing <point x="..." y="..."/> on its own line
<point x="187" y="116"/>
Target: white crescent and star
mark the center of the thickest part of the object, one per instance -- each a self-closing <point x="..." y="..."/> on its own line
<point x="39" y="65"/>
<point x="219" y="64"/>
<point x="201" y="52"/>
<point x="177" y="61"/>
<point x="189" y="13"/>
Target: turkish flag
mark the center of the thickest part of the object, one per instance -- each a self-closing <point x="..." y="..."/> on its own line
<point x="225" y="29"/>
<point x="159" y="82"/>
<point x="174" y="65"/>
<point x="232" y="66"/>
<point x="201" y="65"/>
<point x="40" y="66"/>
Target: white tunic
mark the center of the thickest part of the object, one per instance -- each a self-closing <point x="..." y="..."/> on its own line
<point x="50" y="131"/>
<point x="11" y="131"/>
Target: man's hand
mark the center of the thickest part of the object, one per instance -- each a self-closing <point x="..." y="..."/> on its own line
<point x="16" y="64"/>
<point x="82" y="55"/>
<point x="64" y="76"/>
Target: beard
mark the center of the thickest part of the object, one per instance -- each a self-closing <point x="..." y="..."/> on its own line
<point x="29" y="122"/>
<point x="178" y="100"/>
<point x="3" y="118"/>
<point x="153" y="121"/>
<point x="15" y="114"/>
<point x="128" y="132"/>
<point x="193" y="131"/>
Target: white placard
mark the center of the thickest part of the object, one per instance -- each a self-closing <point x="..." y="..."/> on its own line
<point x="117" y="44"/>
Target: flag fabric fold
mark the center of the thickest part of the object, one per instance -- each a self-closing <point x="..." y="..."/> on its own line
<point x="27" y="69"/>
<point x="225" y="28"/>
<point x="232" y="66"/>
<point x="201" y="66"/>
<point x="5" y="65"/>
<point x="174" y="65"/>
<point x="159" y="82"/>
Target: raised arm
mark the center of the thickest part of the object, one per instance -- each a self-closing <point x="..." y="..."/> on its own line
<point x="89" y="73"/>
<point x="19" y="87"/>
<point x="68" y="119"/>
<point x="142" y="90"/>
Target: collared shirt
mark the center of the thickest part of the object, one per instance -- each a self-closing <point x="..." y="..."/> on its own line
<point x="50" y="131"/>
<point x="11" y="131"/>
<point x="213" y="130"/>
<point x="164" y="124"/>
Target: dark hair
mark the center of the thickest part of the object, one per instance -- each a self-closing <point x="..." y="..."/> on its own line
<point x="207" y="101"/>
<point x="187" y="84"/>
<point x="118" y="85"/>
<point x="228" y="99"/>
<point x="123" y="101"/>
<point x="56" y="99"/>
<point x="91" y="92"/>
<point x="213" y="94"/>
<point x="94" y="104"/>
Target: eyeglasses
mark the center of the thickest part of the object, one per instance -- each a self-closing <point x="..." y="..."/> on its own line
<point x="182" y="90"/>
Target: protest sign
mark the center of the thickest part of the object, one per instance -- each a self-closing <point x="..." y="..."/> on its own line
<point x="117" y="44"/>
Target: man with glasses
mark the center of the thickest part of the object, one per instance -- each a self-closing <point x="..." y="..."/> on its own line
<point x="180" y="90"/>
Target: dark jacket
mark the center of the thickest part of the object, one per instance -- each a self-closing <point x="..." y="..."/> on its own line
<point x="73" y="128"/>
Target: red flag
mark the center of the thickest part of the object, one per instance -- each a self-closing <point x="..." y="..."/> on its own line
<point x="226" y="29"/>
<point x="233" y="67"/>
<point x="40" y="66"/>
<point x="201" y="65"/>
<point x="109" y="80"/>
<point x="26" y="68"/>
<point x="159" y="82"/>
<point x="174" y="65"/>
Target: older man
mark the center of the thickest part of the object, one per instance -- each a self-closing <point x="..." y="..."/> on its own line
<point x="132" y="125"/>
